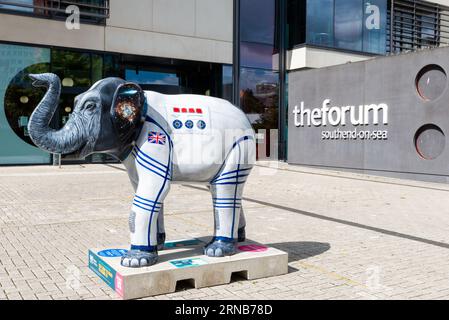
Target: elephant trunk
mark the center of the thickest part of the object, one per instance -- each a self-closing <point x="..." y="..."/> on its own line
<point x="66" y="140"/>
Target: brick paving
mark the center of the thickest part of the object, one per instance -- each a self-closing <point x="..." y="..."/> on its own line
<point x="349" y="236"/>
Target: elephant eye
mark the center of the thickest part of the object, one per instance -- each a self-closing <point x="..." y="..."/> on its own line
<point x="90" y="106"/>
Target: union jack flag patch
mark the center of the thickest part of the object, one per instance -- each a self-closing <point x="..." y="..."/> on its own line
<point x="157" y="137"/>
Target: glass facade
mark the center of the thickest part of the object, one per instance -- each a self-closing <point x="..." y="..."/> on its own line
<point x="170" y="76"/>
<point x="259" y="77"/>
<point x="17" y="101"/>
<point x="78" y="71"/>
<point x="258" y="33"/>
<point x="319" y="22"/>
<point x="259" y="97"/>
<point x="356" y="25"/>
<point x="227" y="83"/>
<point x="21" y="6"/>
<point x="152" y="77"/>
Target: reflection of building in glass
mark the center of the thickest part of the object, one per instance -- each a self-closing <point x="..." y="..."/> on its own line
<point x="266" y="89"/>
<point x="266" y="93"/>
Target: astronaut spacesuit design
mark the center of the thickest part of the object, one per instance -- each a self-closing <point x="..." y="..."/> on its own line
<point x="161" y="139"/>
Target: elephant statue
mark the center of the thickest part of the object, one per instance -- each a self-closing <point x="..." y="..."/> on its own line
<point x="160" y="139"/>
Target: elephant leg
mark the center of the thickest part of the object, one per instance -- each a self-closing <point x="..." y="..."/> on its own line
<point x="241" y="233"/>
<point x="227" y="190"/>
<point x="154" y="169"/>
<point x="160" y="229"/>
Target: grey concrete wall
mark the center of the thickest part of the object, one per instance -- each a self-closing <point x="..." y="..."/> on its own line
<point x="199" y="30"/>
<point x="389" y="80"/>
<point x="307" y="57"/>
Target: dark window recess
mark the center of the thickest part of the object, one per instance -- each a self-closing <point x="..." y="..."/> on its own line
<point x="296" y="22"/>
<point x="414" y="24"/>
<point x="91" y="11"/>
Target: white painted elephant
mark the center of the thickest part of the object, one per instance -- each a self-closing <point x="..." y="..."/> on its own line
<point x="161" y="139"/>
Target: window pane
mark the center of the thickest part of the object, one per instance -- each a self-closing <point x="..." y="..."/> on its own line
<point x="259" y="91"/>
<point x="227" y="83"/>
<point x="257" y="55"/>
<point x="348" y="24"/>
<point x="97" y="67"/>
<point x="320" y="22"/>
<point x="18" y="98"/>
<point x="375" y="29"/>
<point x="258" y="21"/>
<point x="151" y="77"/>
<point x="428" y="34"/>
<point x="72" y="66"/>
<point x="111" y="63"/>
<point x="18" y="8"/>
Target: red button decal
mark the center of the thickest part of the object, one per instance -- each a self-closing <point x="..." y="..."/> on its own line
<point x="188" y="110"/>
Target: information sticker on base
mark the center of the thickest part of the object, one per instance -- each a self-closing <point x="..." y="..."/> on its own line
<point x="119" y="286"/>
<point x="112" y="253"/>
<point x="253" y="248"/>
<point x="102" y="269"/>
<point x="182" y="243"/>
<point x="188" y="263"/>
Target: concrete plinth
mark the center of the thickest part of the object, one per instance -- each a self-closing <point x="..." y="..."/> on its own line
<point x="184" y="260"/>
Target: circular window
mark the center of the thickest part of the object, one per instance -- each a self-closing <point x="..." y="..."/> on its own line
<point x="431" y="82"/>
<point x="21" y="98"/>
<point x="430" y="141"/>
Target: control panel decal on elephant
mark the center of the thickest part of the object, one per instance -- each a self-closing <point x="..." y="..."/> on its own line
<point x="138" y="127"/>
<point x="189" y="120"/>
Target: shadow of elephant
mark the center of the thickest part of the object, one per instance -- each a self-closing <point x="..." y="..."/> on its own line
<point x="300" y="250"/>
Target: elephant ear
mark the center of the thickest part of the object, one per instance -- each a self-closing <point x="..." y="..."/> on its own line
<point x="127" y="111"/>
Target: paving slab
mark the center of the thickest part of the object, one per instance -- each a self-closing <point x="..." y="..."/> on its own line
<point x="348" y="236"/>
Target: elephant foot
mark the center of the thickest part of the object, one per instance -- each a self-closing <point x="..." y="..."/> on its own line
<point x="220" y="248"/>
<point x="160" y="241"/>
<point x="241" y="234"/>
<point x="138" y="258"/>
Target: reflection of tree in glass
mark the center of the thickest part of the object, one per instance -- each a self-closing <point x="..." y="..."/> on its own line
<point x="267" y="120"/>
<point x="74" y="65"/>
<point x="111" y="66"/>
<point x="17" y="112"/>
<point x="264" y="103"/>
<point x="250" y="104"/>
